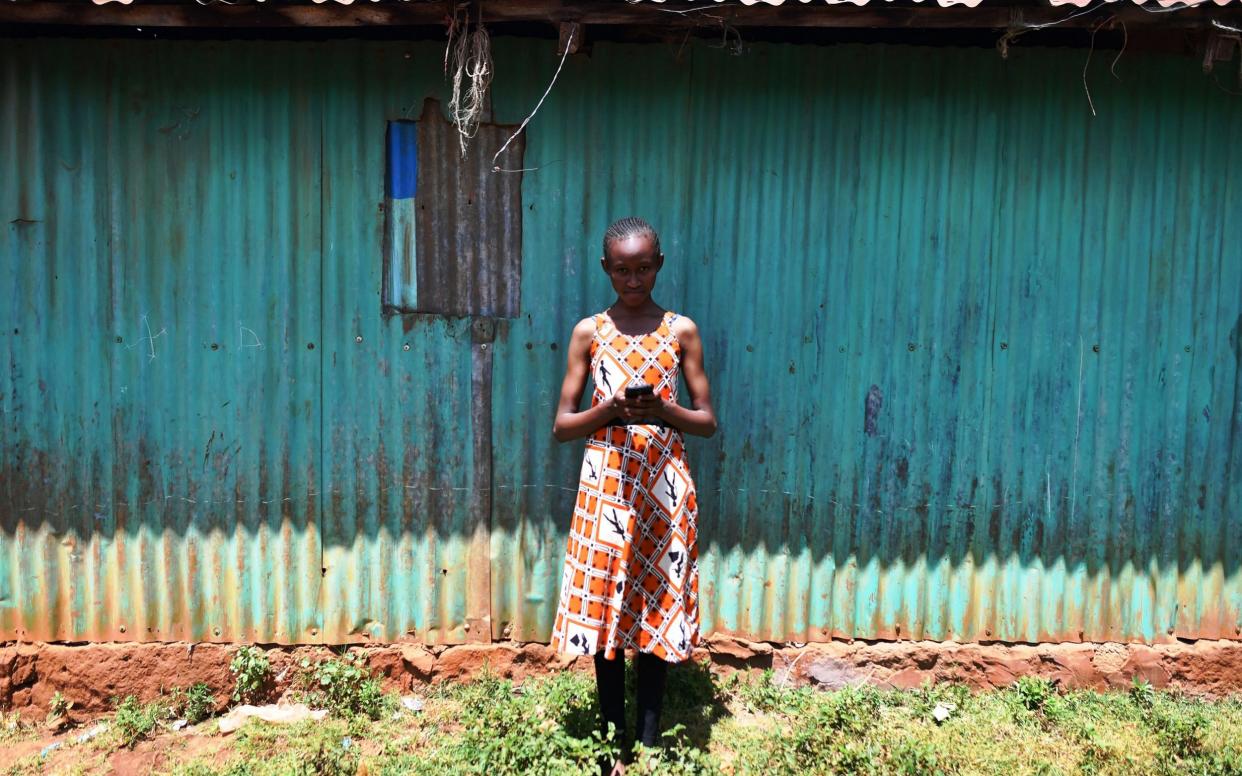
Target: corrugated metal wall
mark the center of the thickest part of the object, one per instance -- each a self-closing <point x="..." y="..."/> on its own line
<point x="1042" y="305"/>
<point x="975" y="353"/>
<point x="162" y="241"/>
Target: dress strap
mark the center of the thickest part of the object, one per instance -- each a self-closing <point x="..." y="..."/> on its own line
<point x="669" y="318"/>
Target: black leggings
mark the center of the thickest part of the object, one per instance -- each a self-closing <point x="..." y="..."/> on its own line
<point x="610" y="679"/>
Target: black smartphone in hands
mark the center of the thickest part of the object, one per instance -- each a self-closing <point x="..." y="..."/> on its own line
<point x="634" y="391"/>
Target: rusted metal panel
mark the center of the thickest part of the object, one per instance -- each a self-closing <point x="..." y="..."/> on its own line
<point x="160" y="401"/>
<point x="404" y="489"/>
<point x="468" y="224"/>
<point x="970" y="345"/>
<point x="457" y="250"/>
<point x="902" y="270"/>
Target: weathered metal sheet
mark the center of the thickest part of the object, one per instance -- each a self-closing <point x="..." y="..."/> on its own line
<point x="404" y="491"/>
<point x="901" y="269"/>
<point x="160" y="405"/>
<point x="974" y="351"/>
<point x="464" y="237"/>
<point x="470" y="229"/>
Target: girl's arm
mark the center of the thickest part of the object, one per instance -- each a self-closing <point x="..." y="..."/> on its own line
<point x="571" y="423"/>
<point x="701" y="420"/>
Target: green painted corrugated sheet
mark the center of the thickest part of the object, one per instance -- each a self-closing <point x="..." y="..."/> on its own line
<point x="948" y="232"/>
<point x="960" y="233"/>
<point x="162" y="241"/>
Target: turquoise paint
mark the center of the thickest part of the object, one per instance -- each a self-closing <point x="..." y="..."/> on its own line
<point x="958" y="231"/>
<point x="954" y="229"/>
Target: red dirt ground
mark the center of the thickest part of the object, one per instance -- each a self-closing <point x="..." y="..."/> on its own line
<point x="91" y="674"/>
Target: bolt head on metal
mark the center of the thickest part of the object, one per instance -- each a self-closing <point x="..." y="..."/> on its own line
<point x="358" y="338"/>
<point x="405" y="347"/>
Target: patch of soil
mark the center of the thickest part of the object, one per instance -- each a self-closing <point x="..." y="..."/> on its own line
<point x="148" y="755"/>
<point x="180" y="746"/>
<point x="136" y="762"/>
<point x="11" y="753"/>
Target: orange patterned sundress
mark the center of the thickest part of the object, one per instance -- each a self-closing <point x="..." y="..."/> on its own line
<point x="631" y="574"/>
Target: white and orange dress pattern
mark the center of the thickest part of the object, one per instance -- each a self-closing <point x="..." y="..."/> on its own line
<point x="631" y="573"/>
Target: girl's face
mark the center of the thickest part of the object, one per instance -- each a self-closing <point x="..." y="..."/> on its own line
<point x="632" y="264"/>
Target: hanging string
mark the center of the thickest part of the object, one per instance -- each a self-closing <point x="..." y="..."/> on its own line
<point x="468" y="56"/>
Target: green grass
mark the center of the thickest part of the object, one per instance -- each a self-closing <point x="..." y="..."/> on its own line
<point x="731" y="725"/>
<point x="756" y="726"/>
<point x="134" y="721"/>
<point x="13" y="729"/>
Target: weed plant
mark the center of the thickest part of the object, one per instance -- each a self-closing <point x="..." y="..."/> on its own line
<point x="345" y="686"/>
<point x="251" y="670"/>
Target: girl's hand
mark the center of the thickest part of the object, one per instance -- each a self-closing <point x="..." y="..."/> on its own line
<point x="648" y="406"/>
<point x="637" y="408"/>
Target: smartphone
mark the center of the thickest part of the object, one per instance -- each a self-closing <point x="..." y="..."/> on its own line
<point x="634" y="391"/>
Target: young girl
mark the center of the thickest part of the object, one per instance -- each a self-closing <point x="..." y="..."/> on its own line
<point x="631" y="564"/>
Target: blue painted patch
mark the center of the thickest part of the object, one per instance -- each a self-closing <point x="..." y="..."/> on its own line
<point x="402" y="159"/>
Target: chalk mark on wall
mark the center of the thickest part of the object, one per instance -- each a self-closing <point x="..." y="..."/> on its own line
<point x="241" y="337"/>
<point x="150" y="338"/>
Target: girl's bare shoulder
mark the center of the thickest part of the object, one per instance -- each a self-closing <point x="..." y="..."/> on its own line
<point x="684" y="327"/>
<point x="584" y="327"/>
<point x="584" y="331"/>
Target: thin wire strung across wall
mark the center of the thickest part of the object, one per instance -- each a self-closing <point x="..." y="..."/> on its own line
<point x="468" y="56"/>
<point x="564" y="55"/>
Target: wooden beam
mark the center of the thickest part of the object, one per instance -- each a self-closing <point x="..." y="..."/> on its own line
<point x="569" y="38"/>
<point x="676" y="13"/>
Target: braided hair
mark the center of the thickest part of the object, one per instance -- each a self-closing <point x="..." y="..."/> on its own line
<point x="630" y="227"/>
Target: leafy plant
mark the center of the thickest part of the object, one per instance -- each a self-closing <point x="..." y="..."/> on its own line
<point x="1226" y="762"/>
<point x="828" y="736"/>
<point x="330" y="760"/>
<point x="345" y="686"/>
<point x="850" y="710"/>
<point x="251" y="669"/>
<point x="134" y="721"/>
<point x="761" y="694"/>
<point x="676" y="757"/>
<point x="13" y="729"/>
<point x="508" y="729"/>
<point x="200" y="702"/>
<point x="924" y="699"/>
<point x="1033" y="692"/>
<point x="1179" y="730"/>
<point x="917" y="758"/>
<point x="1142" y="694"/>
<point x="58" y="710"/>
